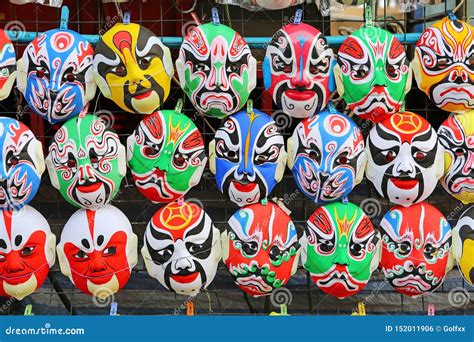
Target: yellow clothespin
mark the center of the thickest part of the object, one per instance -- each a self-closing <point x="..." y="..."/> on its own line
<point x="283" y="311"/>
<point x="360" y="310"/>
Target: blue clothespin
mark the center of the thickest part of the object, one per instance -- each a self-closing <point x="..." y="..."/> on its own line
<point x="215" y="16"/>
<point x="452" y="16"/>
<point x="113" y="309"/>
<point x="126" y="18"/>
<point x="345" y="200"/>
<point x="64" y="18"/>
<point x="298" y="16"/>
<point x="331" y="107"/>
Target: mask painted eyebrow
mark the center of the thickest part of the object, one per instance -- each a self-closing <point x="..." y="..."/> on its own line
<point x="199" y="229"/>
<point x="384" y="136"/>
<point x="424" y="137"/>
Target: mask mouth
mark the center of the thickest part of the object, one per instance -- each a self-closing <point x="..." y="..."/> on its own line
<point x="338" y="277"/>
<point x="405" y="183"/>
<point x="244" y="185"/>
<point x="143" y="95"/>
<point x="99" y="278"/>
<point x="89" y="187"/>
<point x="185" y="276"/>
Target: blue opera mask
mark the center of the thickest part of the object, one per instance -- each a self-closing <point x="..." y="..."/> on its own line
<point x="22" y="164"/>
<point x="247" y="156"/>
<point x="55" y="75"/>
<point x="327" y="156"/>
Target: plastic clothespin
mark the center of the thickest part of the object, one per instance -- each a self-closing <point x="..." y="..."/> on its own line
<point x="368" y="15"/>
<point x="64" y="18"/>
<point x="215" y="16"/>
<point x="180" y="200"/>
<point x="126" y="18"/>
<point x="452" y="16"/>
<point x="331" y="107"/>
<point x="190" y="308"/>
<point x="179" y="106"/>
<point x="113" y="309"/>
<point x="264" y="201"/>
<point x="360" y="310"/>
<point x="283" y="311"/>
<point x="345" y="200"/>
<point x="298" y="16"/>
<point x="28" y="310"/>
<point x="431" y="310"/>
<point x="249" y="106"/>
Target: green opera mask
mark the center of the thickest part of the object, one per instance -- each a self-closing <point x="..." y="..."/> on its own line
<point x="373" y="73"/>
<point x="166" y="155"/>
<point x="341" y="249"/>
<point x="86" y="162"/>
<point x="216" y="69"/>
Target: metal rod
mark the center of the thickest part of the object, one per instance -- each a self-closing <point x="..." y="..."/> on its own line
<point x="175" y="42"/>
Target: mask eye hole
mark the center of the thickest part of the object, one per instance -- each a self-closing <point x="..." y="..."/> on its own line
<point x="144" y="62"/>
<point x="459" y="152"/>
<point x="179" y="159"/>
<point x="80" y="255"/>
<point x="442" y="63"/>
<point x="40" y="73"/>
<point x="13" y="161"/>
<point x="119" y="70"/>
<point x="420" y="156"/>
<point x="342" y="159"/>
<point x="150" y="151"/>
<point x="71" y="163"/>
<point x="202" y="67"/>
<point x="313" y="155"/>
<point x="233" y="68"/>
<point x="390" y="156"/>
<point x="70" y="77"/>
<point x="27" y="250"/>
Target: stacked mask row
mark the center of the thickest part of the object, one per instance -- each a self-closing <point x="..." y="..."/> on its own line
<point x="403" y="157"/>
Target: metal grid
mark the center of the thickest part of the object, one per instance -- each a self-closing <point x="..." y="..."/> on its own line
<point x="143" y="295"/>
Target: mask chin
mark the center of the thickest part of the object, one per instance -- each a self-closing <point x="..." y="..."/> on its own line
<point x="281" y="163"/>
<point x="212" y="156"/>
<point x="63" y="263"/>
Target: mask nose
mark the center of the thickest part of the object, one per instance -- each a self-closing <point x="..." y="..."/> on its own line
<point x="98" y="266"/>
<point x="14" y="264"/>
<point x="380" y="76"/>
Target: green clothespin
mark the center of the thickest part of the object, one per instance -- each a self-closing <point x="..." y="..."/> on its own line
<point x="368" y="14"/>
<point x="249" y="106"/>
<point x="264" y="201"/>
<point x="64" y="18"/>
<point x="179" y="106"/>
<point x="283" y="311"/>
<point x="29" y="310"/>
